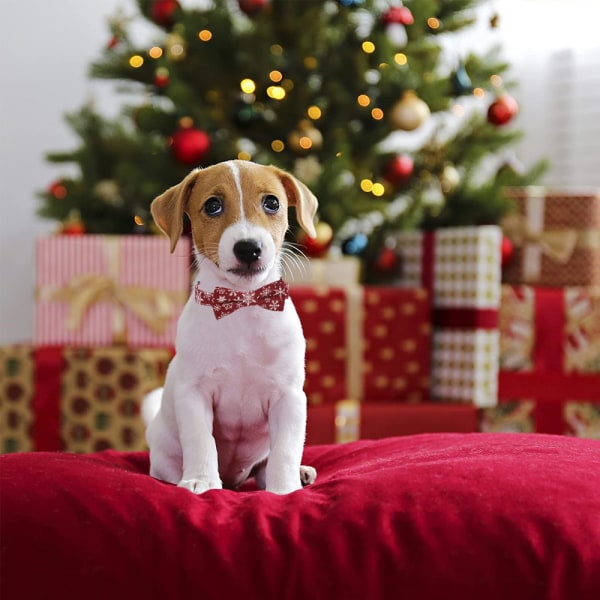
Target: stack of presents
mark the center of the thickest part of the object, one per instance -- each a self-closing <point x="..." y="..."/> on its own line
<point x="456" y="344"/>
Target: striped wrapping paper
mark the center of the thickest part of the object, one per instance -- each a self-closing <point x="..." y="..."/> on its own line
<point x="98" y="290"/>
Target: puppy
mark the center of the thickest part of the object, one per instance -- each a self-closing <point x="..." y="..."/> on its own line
<point x="233" y="404"/>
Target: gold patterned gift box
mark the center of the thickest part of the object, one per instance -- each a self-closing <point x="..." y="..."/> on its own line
<point x="556" y="237"/>
<point x="76" y="399"/>
<point x="550" y="361"/>
<point x="100" y="290"/>
<point x="461" y="267"/>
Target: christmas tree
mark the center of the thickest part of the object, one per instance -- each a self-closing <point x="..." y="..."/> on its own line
<point x="358" y="98"/>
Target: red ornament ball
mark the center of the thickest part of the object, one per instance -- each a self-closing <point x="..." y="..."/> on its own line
<point x="190" y="145"/>
<point x="253" y="7"/>
<point x="387" y="262"/>
<point x="58" y="190"/>
<point x="506" y="251"/>
<point x="399" y="170"/>
<point x="397" y="15"/>
<point x="161" y="78"/>
<point x="162" y="12"/>
<point x="502" y="110"/>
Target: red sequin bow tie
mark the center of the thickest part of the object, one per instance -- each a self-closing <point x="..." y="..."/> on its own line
<point x="225" y="301"/>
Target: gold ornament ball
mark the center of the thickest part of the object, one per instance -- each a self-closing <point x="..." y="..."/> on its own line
<point x="449" y="179"/>
<point x="175" y="47"/>
<point x="409" y="112"/>
<point x="306" y="138"/>
<point x="318" y="246"/>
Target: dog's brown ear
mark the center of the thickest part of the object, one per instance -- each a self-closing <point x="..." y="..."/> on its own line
<point x="168" y="208"/>
<point x="303" y="199"/>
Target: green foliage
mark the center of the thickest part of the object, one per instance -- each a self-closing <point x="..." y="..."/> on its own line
<point x="317" y="47"/>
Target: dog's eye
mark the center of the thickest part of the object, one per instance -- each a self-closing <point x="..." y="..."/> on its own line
<point x="270" y="204"/>
<point x="213" y="206"/>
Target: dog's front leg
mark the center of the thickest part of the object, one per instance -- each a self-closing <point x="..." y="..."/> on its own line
<point x="287" y="429"/>
<point x="199" y="450"/>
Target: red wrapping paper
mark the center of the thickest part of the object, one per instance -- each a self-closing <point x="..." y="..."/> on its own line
<point x="365" y="343"/>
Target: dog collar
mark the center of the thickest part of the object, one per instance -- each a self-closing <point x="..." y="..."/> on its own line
<point x="225" y="301"/>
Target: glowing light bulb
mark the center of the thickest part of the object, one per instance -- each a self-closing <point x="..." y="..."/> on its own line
<point x="305" y="143"/>
<point x="433" y="23"/>
<point x="479" y="92"/>
<point x="363" y="100"/>
<point x="366" y="185"/>
<point x="205" y="35"/>
<point x="368" y="47"/>
<point x="314" y="112"/>
<point x="243" y="155"/>
<point x="136" y="61"/>
<point x="155" y="52"/>
<point x="138" y="220"/>
<point x="496" y="80"/>
<point x="248" y="86"/>
<point x="275" y="76"/>
<point x="400" y="58"/>
<point x="378" y="189"/>
<point x="277" y="146"/>
<point x="377" y="114"/>
<point x="276" y="92"/>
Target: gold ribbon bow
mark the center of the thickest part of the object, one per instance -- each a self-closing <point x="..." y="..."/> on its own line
<point x="153" y="307"/>
<point x="556" y="244"/>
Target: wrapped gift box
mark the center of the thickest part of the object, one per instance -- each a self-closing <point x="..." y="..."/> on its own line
<point x="365" y="343"/>
<point x="336" y="271"/>
<point x="349" y="420"/>
<point x="556" y="237"/>
<point x="550" y="360"/>
<point x="95" y="290"/>
<point x="76" y="399"/>
<point x="461" y="267"/>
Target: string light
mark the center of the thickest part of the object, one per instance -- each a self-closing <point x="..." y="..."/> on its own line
<point x="247" y="86"/>
<point x="479" y="92"/>
<point x="363" y="100"/>
<point x="276" y="92"/>
<point x="366" y="185"/>
<point x="378" y="189"/>
<point x="243" y="155"/>
<point x="276" y="50"/>
<point x="377" y="114"/>
<point x="277" y="146"/>
<point x="205" y="35"/>
<point x="305" y="142"/>
<point x="155" y="52"/>
<point x="314" y="112"/>
<point x="311" y="63"/>
<point x="433" y="23"/>
<point x="368" y="47"/>
<point x="136" y="61"/>
<point x="138" y="221"/>
<point x="496" y="80"/>
<point x="400" y="58"/>
<point x="275" y="76"/>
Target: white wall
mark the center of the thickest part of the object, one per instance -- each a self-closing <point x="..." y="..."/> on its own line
<point x="46" y="48"/>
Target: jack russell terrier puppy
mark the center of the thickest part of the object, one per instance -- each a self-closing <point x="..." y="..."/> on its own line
<point x="233" y="404"/>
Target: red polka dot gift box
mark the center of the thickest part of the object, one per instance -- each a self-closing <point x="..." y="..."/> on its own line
<point x="371" y="344"/>
<point x="76" y="399"/>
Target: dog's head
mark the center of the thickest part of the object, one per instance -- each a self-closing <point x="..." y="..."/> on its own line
<point x="238" y="214"/>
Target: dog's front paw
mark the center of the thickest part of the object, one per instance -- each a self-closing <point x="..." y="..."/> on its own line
<point x="199" y="486"/>
<point x="308" y="475"/>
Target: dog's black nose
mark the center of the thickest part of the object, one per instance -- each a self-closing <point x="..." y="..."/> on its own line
<point x="247" y="251"/>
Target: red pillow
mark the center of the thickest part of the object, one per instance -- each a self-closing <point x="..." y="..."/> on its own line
<point x="491" y="516"/>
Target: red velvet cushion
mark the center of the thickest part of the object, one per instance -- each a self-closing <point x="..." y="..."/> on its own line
<point x="425" y="517"/>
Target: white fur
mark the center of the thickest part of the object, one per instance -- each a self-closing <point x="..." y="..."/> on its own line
<point x="233" y="403"/>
